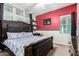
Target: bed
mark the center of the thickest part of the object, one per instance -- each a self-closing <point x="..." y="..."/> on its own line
<point x="25" y="46"/>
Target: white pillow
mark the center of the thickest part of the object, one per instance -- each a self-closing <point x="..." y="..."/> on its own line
<point x="13" y="35"/>
<point x="27" y="34"/>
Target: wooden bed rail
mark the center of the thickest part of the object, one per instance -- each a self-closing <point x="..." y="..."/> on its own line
<point x="40" y="48"/>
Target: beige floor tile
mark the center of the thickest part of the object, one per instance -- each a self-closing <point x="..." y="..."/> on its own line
<point x="60" y="51"/>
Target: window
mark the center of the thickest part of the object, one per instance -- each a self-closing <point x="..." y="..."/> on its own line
<point x="65" y="23"/>
<point x="12" y="12"/>
<point x="8" y="12"/>
<point x="47" y="21"/>
<point x="8" y="8"/>
<point x="27" y="17"/>
<point x="19" y="12"/>
<point x="26" y="14"/>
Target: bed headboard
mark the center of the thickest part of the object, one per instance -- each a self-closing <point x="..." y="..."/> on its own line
<point x="18" y="26"/>
<point x="14" y="26"/>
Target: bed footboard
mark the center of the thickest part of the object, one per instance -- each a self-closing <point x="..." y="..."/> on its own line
<point x="28" y="51"/>
<point x="40" y="48"/>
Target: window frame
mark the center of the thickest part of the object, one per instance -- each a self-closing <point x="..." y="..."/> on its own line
<point x="65" y="27"/>
<point x="19" y="12"/>
<point x="7" y="6"/>
<point x="8" y="12"/>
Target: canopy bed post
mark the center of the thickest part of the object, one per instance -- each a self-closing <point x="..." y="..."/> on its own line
<point x="30" y="15"/>
<point x="1" y="18"/>
<point x="73" y="33"/>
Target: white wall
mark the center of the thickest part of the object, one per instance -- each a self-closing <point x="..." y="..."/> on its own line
<point x="78" y="19"/>
<point x="60" y="38"/>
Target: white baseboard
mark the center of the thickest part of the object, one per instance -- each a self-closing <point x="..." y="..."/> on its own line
<point x="0" y="50"/>
<point x="61" y="43"/>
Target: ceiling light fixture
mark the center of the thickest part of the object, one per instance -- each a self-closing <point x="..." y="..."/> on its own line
<point x="42" y="4"/>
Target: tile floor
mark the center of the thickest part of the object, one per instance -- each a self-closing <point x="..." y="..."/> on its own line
<point x="60" y="50"/>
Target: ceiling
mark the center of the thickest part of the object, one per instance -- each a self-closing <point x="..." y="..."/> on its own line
<point x="39" y="8"/>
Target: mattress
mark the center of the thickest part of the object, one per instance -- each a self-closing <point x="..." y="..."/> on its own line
<point x="17" y="45"/>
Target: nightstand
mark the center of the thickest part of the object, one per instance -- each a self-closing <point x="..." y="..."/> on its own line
<point x="2" y="47"/>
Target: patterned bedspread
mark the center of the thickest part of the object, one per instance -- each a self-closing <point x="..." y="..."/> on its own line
<point x="17" y="45"/>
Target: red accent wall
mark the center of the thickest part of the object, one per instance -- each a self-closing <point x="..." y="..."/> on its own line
<point x="55" y="17"/>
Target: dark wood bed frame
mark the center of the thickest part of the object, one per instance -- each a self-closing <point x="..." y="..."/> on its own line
<point x="40" y="48"/>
